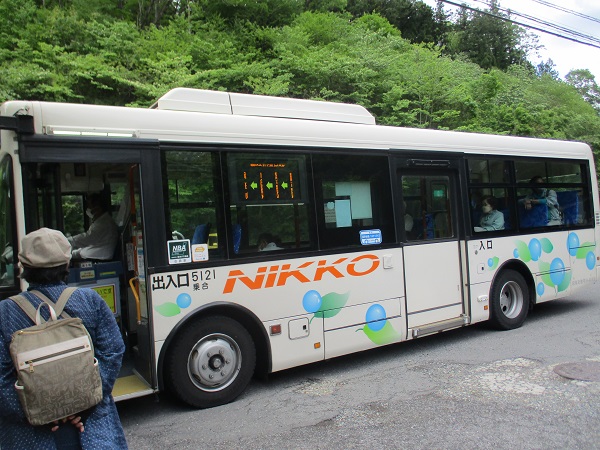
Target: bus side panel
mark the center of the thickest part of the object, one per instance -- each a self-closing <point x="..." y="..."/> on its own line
<point x="351" y="339"/>
<point x="300" y="295"/>
<point x="300" y="341"/>
<point x="559" y="261"/>
<point x="583" y="254"/>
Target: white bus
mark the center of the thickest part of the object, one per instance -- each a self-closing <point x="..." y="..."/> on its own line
<point x="371" y="229"/>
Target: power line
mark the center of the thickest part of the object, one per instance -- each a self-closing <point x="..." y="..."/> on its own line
<point x="558" y="27"/>
<point x="568" y="11"/>
<point x="521" y="24"/>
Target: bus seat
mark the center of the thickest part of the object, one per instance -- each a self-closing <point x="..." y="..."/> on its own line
<point x="506" y="213"/>
<point x="535" y="217"/>
<point x="429" y="226"/>
<point x="237" y="238"/>
<point x="201" y="234"/>
<point x="476" y="217"/>
<point x="569" y="205"/>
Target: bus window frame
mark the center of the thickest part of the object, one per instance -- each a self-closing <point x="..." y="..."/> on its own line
<point x="7" y="291"/>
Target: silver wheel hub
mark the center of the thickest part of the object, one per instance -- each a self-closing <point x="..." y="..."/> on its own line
<point x="214" y="362"/>
<point x="511" y="299"/>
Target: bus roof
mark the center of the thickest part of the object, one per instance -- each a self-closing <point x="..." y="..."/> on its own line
<point x="217" y="102"/>
<point x="259" y="120"/>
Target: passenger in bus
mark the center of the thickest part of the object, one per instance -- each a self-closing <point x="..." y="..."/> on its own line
<point x="45" y="255"/>
<point x="542" y="196"/>
<point x="408" y="220"/>
<point x="268" y="242"/>
<point x="491" y="219"/>
<point x="100" y="240"/>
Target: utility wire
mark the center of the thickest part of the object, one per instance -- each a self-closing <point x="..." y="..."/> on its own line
<point x="558" y="27"/>
<point x="569" y="11"/>
<point x="521" y="24"/>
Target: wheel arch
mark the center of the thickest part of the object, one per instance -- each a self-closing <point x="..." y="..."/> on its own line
<point x="236" y="312"/>
<point x="521" y="268"/>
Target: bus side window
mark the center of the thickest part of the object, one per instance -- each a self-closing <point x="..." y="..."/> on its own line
<point x="353" y="194"/>
<point x="191" y="196"/>
<point x="268" y="200"/>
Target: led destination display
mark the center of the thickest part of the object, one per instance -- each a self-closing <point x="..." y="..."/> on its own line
<point x="268" y="181"/>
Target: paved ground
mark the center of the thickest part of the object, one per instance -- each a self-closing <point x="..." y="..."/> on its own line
<point x="468" y="388"/>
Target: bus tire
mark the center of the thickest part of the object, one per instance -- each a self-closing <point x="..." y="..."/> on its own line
<point x="509" y="300"/>
<point x="211" y="362"/>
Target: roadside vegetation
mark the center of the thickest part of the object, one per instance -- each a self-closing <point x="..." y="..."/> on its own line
<point x="408" y="64"/>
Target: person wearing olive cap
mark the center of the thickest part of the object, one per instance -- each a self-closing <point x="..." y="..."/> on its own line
<point x="45" y="255"/>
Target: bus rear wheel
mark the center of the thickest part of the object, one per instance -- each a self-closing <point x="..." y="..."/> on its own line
<point x="509" y="300"/>
<point x="211" y="362"/>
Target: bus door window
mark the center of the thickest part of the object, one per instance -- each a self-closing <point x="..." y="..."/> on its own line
<point x="48" y="192"/>
<point x="428" y="202"/>
<point x="8" y="246"/>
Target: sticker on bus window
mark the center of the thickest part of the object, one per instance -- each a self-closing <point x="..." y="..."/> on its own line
<point x="370" y="237"/>
<point x="199" y="252"/>
<point x="179" y="251"/>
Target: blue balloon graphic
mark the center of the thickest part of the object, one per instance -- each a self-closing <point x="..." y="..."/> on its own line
<point x="490" y="262"/>
<point x="312" y="301"/>
<point x="540" y="289"/>
<point x="376" y="317"/>
<point x="516" y="253"/>
<point x="535" y="248"/>
<point x="557" y="271"/>
<point x="572" y="243"/>
<point x="590" y="260"/>
<point x="184" y="300"/>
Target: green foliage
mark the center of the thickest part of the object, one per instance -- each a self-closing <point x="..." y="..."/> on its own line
<point x="130" y="52"/>
<point x="260" y="12"/>
<point x="585" y="83"/>
<point x="488" y="41"/>
<point x="415" y="20"/>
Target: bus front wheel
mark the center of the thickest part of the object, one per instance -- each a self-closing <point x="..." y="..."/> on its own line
<point x="211" y="362"/>
<point x="509" y="300"/>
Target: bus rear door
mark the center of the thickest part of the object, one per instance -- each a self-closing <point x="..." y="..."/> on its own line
<point x="432" y="256"/>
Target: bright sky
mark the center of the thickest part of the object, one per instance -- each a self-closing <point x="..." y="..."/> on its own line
<point x="565" y="54"/>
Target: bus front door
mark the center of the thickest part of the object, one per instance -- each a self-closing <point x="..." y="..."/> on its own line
<point x="58" y="181"/>
<point x="432" y="261"/>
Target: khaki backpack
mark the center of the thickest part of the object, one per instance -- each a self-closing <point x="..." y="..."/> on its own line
<point x="57" y="373"/>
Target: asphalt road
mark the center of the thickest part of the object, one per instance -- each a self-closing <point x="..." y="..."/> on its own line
<point x="463" y="389"/>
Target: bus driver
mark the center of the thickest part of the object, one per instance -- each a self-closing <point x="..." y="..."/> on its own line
<point x="100" y="240"/>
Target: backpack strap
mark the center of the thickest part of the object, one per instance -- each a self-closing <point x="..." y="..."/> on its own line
<point x="60" y="303"/>
<point x="25" y="305"/>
